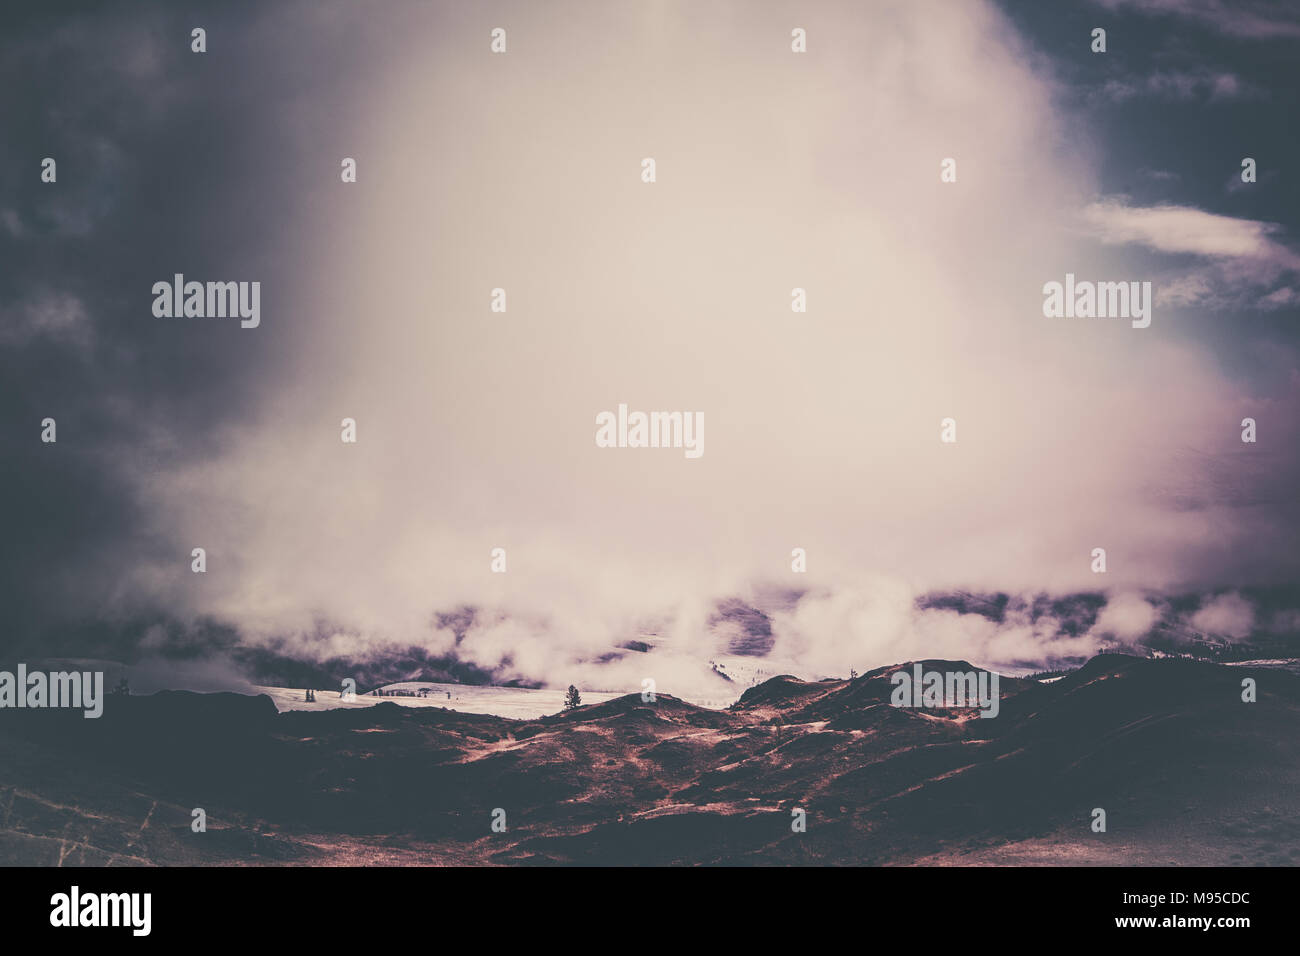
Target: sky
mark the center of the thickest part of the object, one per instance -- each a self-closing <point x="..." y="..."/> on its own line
<point x="522" y="171"/>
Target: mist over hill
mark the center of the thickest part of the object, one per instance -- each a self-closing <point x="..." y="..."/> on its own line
<point x="811" y="633"/>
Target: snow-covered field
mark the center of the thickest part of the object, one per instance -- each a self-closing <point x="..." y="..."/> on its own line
<point x="518" y="702"/>
<point x="1290" y="664"/>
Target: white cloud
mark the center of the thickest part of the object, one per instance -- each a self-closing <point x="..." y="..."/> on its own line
<point x="1280" y="298"/>
<point x="1229" y="615"/>
<point x="1253" y="19"/>
<point x="55" y="316"/>
<point x="12" y="223"/>
<point x="1184" y="290"/>
<point x="1127" y="617"/>
<point x="1240" y="255"/>
<point x="1182" y="85"/>
<point x="1185" y="229"/>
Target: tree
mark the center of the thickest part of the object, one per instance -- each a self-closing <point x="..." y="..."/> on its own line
<point x="572" y="699"/>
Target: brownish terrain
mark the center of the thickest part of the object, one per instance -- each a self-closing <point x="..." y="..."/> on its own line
<point x="1186" y="771"/>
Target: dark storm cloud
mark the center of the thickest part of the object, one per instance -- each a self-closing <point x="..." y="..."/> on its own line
<point x="1185" y="90"/>
<point x="168" y="161"/>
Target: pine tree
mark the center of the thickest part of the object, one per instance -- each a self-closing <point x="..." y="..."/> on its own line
<point x="572" y="699"/>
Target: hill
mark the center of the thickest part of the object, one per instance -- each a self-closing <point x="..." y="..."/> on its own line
<point x="1184" y="769"/>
